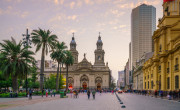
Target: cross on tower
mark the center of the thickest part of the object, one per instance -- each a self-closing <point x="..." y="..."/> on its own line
<point x="73" y="34"/>
<point x="99" y="33"/>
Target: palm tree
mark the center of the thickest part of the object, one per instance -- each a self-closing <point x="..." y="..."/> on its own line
<point x="16" y="60"/>
<point x="69" y="60"/>
<point x="44" y="40"/>
<point x="58" y="54"/>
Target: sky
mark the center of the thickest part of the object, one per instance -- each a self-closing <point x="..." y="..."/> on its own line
<point x="86" y="18"/>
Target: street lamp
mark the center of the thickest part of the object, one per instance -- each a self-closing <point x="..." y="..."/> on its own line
<point x="26" y="43"/>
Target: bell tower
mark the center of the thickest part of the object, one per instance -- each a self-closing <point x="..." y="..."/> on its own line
<point x="73" y="50"/>
<point x="99" y="53"/>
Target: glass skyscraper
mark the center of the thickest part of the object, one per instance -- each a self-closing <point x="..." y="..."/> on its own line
<point x="143" y="24"/>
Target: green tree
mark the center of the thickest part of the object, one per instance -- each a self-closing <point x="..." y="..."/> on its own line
<point x="16" y="60"/>
<point x="61" y="82"/>
<point x="58" y="54"/>
<point x="5" y="82"/>
<point x="44" y="40"/>
<point x="69" y="60"/>
<point x="51" y="82"/>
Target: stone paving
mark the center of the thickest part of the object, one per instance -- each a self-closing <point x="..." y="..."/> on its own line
<point x="139" y="102"/>
<point x="105" y="101"/>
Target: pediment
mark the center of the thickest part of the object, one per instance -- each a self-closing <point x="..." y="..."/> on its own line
<point x="84" y="69"/>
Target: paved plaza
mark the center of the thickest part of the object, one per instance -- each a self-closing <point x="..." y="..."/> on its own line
<point x="106" y="101"/>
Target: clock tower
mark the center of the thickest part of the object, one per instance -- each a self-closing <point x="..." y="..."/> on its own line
<point x="73" y="50"/>
<point x="99" y="53"/>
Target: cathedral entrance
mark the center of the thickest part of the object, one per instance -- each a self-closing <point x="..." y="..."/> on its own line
<point x="70" y="86"/>
<point x="98" y="86"/>
<point x="84" y="85"/>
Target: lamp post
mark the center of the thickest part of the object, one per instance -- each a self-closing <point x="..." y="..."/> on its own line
<point x="26" y="43"/>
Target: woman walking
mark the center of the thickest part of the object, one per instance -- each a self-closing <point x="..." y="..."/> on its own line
<point x="88" y="93"/>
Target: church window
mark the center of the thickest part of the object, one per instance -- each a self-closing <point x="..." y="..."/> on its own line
<point x="99" y="58"/>
<point x="152" y="84"/>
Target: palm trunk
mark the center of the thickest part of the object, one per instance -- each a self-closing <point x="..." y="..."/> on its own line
<point x="57" y="78"/>
<point x="66" y="78"/>
<point x="60" y="76"/>
<point x="42" y="68"/>
<point x="15" y="83"/>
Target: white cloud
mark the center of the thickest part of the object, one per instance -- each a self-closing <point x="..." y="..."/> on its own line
<point x="89" y="2"/>
<point x="59" y="2"/>
<point x="71" y="31"/>
<point x="72" y="17"/>
<point x="24" y="14"/>
<point x="72" y="4"/>
<point x="122" y="26"/>
<point x="117" y="12"/>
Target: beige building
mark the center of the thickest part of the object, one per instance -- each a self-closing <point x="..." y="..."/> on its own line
<point x="84" y="74"/>
<point x="138" y="71"/>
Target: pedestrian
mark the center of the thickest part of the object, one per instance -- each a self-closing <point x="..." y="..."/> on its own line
<point x="30" y="94"/>
<point x="42" y="92"/>
<point x="100" y="92"/>
<point x="93" y="93"/>
<point x="51" y="92"/>
<point x="46" y="92"/>
<point x="11" y="94"/>
<point x="161" y="93"/>
<point x="54" y="92"/>
<point x="155" y="93"/>
<point x="88" y="93"/>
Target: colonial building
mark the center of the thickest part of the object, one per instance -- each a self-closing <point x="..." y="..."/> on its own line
<point x="138" y="71"/>
<point x="161" y="72"/>
<point x="84" y="74"/>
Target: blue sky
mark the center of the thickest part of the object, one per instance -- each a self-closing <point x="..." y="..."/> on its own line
<point x="84" y="17"/>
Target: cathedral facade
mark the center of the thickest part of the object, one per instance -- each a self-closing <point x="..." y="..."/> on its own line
<point x="84" y="75"/>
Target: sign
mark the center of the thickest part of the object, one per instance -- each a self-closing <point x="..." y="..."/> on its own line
<point x="168" y="0"/>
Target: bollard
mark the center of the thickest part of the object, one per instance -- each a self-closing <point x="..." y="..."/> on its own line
<point x="123" y="106"/>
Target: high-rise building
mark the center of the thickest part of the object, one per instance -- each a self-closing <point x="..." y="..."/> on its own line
<point x="143" y="24"/>
<point x="121" y="80"/>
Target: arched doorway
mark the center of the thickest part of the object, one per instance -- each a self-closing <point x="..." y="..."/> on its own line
<point x="84" y="80"/>
<point x="98" y="86"/>
<point x="84" y="85"/>
<point x="70" y="86"/>
<point x="98" y="82"/>
<point x="70" y="82"/>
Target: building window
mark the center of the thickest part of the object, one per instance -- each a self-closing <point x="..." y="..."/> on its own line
<point x="176" y="82"/>
<point x="152" y="84"/>
<point x="168" y="68"/>
<point x="148" y="84"/>
<point x="145" y="85"/>
<point x="159" y="68"/>
<point x="145" y="77"/>
<point x="152" y="75"/>
<point x="176" y="64"/>
<point x="168" y="83"/>
<point x="160" y="48"/>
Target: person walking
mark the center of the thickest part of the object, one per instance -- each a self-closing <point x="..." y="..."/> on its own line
<point x="30" y="94"/>
<point x="42" y="92"/>
<point x="88" y="93"/>
<point x="54" y="92"/>
<point x="93" y="93"/>
<point x="51" y="92"/>
<point x="46" y="92"/>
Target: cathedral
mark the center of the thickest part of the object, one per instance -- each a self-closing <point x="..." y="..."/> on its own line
<point x="84" y="75"/>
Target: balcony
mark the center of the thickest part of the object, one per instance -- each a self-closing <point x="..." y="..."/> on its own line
<point x="176" y="67"/>
<point x="167" y="70"/>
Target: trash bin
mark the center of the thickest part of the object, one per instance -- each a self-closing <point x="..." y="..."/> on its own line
<point x="61" y="94"/>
